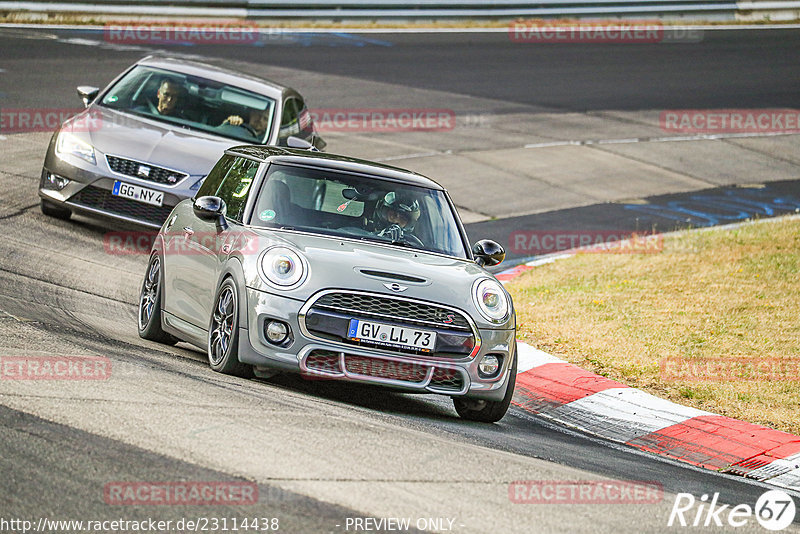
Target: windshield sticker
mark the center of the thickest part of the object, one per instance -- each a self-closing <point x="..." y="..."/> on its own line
<point x="113" y="99"/>
<point x="266" y="215"/>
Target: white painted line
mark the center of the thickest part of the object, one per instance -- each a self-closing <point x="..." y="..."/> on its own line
<point x="776" y="468"/>
<point x="549" y="259"/>
<point x="529" y="357"/>
<point x="666" y="139"/>
<point x="411" y="156"/>
<point x="623" y="414"/>
<point x="787" y="480"/>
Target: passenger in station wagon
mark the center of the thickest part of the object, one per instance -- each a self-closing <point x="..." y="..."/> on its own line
<point x="257" y="122"/>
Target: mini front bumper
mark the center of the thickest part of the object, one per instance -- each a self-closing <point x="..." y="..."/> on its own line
<point x="318" y="358"/>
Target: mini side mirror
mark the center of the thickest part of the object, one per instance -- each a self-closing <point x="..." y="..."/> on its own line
<point x="297" y="142"/>
<point x="211" y="209"/>
<point x="87" y="94"/>
<point x="488" y="253"/>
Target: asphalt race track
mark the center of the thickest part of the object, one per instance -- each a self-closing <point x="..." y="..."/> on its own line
<point x="320" y="453"/>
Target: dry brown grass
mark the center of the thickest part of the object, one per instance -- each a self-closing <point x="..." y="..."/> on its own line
<point x="716" y="294"/>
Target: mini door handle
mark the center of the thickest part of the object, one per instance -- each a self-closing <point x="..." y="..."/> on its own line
<point x="188" y="230"/>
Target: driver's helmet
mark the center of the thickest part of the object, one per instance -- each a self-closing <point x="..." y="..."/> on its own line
<point x="398" y="207"/>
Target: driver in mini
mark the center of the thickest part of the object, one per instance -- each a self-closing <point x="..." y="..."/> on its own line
<point x="395" y="215"/>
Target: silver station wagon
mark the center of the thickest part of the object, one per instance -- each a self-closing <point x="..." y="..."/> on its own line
<point x="147" y="141"/>
<point x="335" y="268"/>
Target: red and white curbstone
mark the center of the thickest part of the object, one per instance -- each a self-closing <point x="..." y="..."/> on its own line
<point x="568" y="395"/>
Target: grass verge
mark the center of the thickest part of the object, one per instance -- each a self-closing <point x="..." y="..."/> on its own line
<point x="711" y="321"/>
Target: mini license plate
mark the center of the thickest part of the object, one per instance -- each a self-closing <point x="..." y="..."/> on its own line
<point x="391" y="336"/>
<point x="139" y="194"/>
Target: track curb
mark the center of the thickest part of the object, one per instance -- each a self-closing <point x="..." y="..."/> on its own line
<point x="568" y="395"/>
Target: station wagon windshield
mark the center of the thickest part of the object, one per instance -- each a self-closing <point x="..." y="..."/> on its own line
<point x="358" y="207"/>
<point x="193" y="102"/>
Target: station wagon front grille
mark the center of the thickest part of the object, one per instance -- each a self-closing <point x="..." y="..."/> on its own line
<point x="404" y="311"/>
<point x="144" y="171"/>
<point x="103" y="200"/>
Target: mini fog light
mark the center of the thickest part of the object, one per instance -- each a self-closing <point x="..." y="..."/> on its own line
<point x="489" y="365"/>
<point x="276" y="332"/>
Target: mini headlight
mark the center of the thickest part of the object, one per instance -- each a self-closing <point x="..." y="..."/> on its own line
<point x="491" y="300"/>
<point x="282" y="266"/>
<point x="68" y="143"/>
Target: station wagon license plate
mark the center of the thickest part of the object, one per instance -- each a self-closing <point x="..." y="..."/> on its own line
<point x="139" y="194"/>
<point x="391" y="336"/>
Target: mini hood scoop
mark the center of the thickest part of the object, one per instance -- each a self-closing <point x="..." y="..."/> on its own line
<point x="394" y="277"/>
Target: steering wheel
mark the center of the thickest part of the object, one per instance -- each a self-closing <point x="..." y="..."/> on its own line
<point x="411" y="239"/>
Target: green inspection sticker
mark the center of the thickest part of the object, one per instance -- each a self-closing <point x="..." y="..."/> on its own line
<point x="113" y="98"/>
<point x="266" y="215"/>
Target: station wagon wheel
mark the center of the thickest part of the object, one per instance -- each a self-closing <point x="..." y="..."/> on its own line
<point x="223" y="333"/>
<point x="53" y="210"/>
<point x="150" y="305"/>
<point x="486" y="411"/>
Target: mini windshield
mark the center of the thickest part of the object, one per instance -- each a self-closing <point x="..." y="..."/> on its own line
<point x="359" y="207"/>
<point x="193" y="102"/>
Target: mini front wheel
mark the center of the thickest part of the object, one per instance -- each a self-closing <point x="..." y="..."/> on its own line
<point x="486" y="411"/>
<point x="150" y="305"/>
<point x="223" y="333"/>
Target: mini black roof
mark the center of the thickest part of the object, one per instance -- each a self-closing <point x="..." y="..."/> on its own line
<point x="333" y="161"/>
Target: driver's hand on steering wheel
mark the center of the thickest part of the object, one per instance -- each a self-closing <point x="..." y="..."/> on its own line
<point x="234" y="120"/>
<point x="394" y="232"/>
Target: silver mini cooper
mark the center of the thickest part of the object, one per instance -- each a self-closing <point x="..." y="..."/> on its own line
<point x="335" y="268"/>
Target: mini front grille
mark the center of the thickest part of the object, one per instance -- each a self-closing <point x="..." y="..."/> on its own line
<point x="448" y="379"/>
<point x="390" y="369"/>
<point x="356" y="366"/>
<point x="102" y="199"/>
<point x="403" y="311"/>
<point x="144" y="171"/>
<point x="324" y="360"/>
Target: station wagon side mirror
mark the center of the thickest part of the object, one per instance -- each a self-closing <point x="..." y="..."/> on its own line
<point x="87" y="94"/>
<point x="297" y="142"/>
<point x="211" y="209"/>
<point x="488" y="253"/>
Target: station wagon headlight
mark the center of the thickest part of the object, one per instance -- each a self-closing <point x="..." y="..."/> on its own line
<point x="491" y="300"/>
<point x="282" y="267"/>
<point x="68" y="143"/>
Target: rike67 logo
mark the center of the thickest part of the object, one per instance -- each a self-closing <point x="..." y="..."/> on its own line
<point x="774" y="510"/>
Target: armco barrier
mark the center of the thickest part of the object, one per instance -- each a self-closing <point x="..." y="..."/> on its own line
<point x="396" y="9"/>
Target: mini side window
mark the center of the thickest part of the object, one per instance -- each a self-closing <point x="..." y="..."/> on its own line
<point x="236" y="186"/>
<point x="214" y="179"/>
